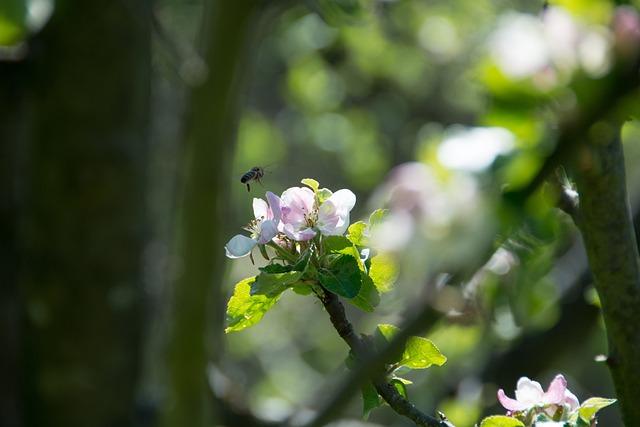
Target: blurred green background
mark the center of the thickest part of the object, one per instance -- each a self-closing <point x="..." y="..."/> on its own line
<point x="125" y="128"/>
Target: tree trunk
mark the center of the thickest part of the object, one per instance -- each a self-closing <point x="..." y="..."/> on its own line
<point x="227" y="28"/>
<point x="80" y="220"/>
<point x="607" y="228"/>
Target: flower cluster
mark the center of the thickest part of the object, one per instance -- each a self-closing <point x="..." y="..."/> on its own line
<point x="557" y="406"/>
<point x="298" y="215"/>
<point x="314" y="249"/>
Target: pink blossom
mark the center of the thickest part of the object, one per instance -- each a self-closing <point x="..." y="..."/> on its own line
<point x="298" y="213"/>
<point x="302" y="218"/>
<point x="263" y="228"/>
<point x="529" y="394"/>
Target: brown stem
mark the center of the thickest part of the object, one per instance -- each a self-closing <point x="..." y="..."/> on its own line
<point x="362" y="350"/>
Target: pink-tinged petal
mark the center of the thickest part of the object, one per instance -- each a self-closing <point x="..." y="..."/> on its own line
<point x="298" y="198"/>
<point x="268" y="231"/>
<point x="529" y="392"/>
<point x="555" y="392"/>
<point x="275" y="204"/>
<point x="509" y="403"/>
<point x="298" y="234"/>
<point x="571" y="400"/>
<point x="328" y="219"/>
<point x="261" y="209"/>
<point x="239" y="246"/>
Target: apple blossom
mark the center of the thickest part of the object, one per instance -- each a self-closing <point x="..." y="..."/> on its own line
<point x="302" y="218"/>
<point x="529" y="395"/>
<point x="263" y="228"/>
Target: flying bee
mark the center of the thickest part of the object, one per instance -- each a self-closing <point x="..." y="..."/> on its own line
<point x="255" y="174"/>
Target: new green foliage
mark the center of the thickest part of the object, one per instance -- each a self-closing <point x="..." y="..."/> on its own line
<point x="501" y="421"/>
<point x="419" y="353"/>
<point x="245" y="309"/>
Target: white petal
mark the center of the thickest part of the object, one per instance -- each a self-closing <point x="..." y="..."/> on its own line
<point x="268" y="231"/>
<point x="529" y="392"/>
<point x="343" y="200"/>
<point x="260" y="209"/>
<point x="239" y="246"/>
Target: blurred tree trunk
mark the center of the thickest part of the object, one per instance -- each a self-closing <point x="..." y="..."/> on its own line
<point x="77" y="153"/>
<point x="227" y="30"/>
<point x="606" y="225"/>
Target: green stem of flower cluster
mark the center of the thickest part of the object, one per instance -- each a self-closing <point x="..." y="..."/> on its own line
<point x="282" y="252"/>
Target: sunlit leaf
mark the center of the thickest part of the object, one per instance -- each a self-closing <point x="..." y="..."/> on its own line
<point x="323" y="194"/>
<point x="377" y="217"/>
<point x="383" y="272"/>
<point x="419" y="353"/>
<point x="244" y="309"/>
<point x="501" y="421"/>
<point x="311" y="183"/>
<point x="591" y="406"/>
<point x="356" y="233"/>
<point x="343" y="277"/>
<point x="272" y="284"/>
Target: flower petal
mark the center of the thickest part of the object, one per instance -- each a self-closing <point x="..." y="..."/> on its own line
<point x="333" y="214"/>
<point x="509" y="403"/>
<point x="301" y="198"/>
<point x="268" y="231"/>
<point x="529" y="392"/>
<point x="555" y="392"/>
<point x="343" y="200"/>
<point x="298" y="235"/>
<point x="296" y="206"/>
<point x="274" y="203"/>
<point x="239" y="246"/>
<point x="261" y="209"/>
<point x="571" y="400"/>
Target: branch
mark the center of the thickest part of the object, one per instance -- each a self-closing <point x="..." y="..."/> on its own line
<point x="606" y="226"/>
<point x="363" y="351"/>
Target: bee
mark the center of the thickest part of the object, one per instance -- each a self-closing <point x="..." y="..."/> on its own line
<point x="255" y="174"/>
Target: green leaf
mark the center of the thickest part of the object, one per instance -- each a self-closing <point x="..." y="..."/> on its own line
<point x="323" y="194"/>
<point x="377" y="217"/>
<point x="370" y="400"/>
<point x="399" y="386"/>
<point x="301" y="264"/>
<point x="311" y="183"/>
<point x="501" y="421"/>
<point x="419" y="353"/>
<point x="592" y="405"/>
<point x="383" y="272"/>
<point x="13" y="22"/>
<point x="356" y="233"/>
<point x="342" y="245"/>
<point x="368" y="297"/>
<point x="343" y="277"/>
<point x="301" y="288"/>
<point x="275" y="268"/>
<point x="244" y="309"/>
<point x="271" y="284"/>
